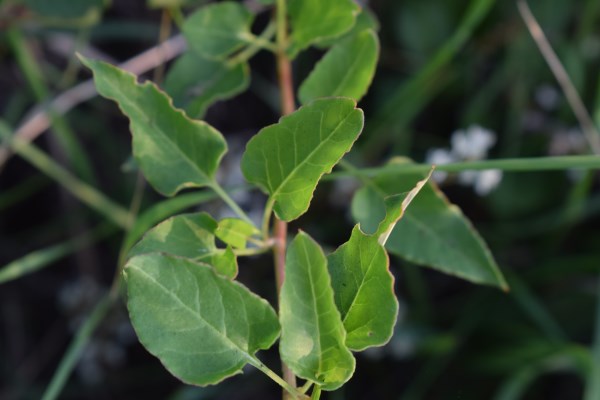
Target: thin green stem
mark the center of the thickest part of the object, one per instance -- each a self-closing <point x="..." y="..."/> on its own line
<point x="230" y="202"/>
<point x="592" y="388"/>
<point x="134" y="208"/>
<point x="307" y="385"/>
<point x="254" y="251"/>
<point x="590" y="131"/>
<point x="507" y="165"/>
<point x="177" y="16"/>
<point x="38" y="259"/>
<point x="73" y="353"/>
<point x="288" y="105"/>
<point x="34" y="76"/>
<point x="405" y="95"/>
<point x="267" y="218"/>
<point x="316" y="393"/>
<point x="257" y="43"/>
<point x="87" y="194"/>
<point x="292" y="391"/>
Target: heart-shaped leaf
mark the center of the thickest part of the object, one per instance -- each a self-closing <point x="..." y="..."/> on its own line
<point x="173" y="151"/>
<point x="288" y="159"/>
<point x="312" y="333"/>
<point x="217" y="30"/>
<point x="364" y="290"/>
<point x="346" y="70"/>
<point x="203" y="327"/>
<point x="196" y="82"/>
<point x="191" y="236"/>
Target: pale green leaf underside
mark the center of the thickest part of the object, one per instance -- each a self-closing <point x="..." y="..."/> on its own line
<point x="235" y="232"/>
<point x="195" y="82"/>
<point x="364" y="291"/>
<point x="287" y="159"/>
<point x="432" y="232"/>
<point x="346" y="70"/>
<point x="173" y="151"/>
<point x="316" y="20"/>
<point x="190" y="236"/>
<point x="312" y="333"/>
<point x="217" y="30"/>
<point x="395" y="207"/>
<point x="201" y="326"/>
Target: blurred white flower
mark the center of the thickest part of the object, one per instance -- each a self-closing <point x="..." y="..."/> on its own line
<point x="468" y="145"/>
<point x="439" y="157"/>
<point x="487" y="181"/>
<point x="472" y="144"/>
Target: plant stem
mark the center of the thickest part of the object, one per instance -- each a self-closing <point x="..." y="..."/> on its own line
<point x="87" y="194"/>
<point x="288" y="105"/>
<point x="37" y="124"/>
<point x="267" y="219"/>
<point x="562" y="77"/>
<point x="263" y="41"/>
<point x="507" y="164"/>
<point x="230" y="202"/>
<point x="42" y="258"/>
<point x="73" y="353"/>
<point x="291" y="390"/>
<point x="316" y="393"/>
<point x="592" y="389"/>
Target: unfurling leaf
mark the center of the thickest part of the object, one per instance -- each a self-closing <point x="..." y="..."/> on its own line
<point x="288" y="159"/>
<point x="203" y="327"/>
<point x="312" y="333"/>
<point x="346" y="70"/>
<point x="173" y="151"/>
<point x="364" y="290"/>
<point x="235" y="232"/>
<point x="191" y="236"/>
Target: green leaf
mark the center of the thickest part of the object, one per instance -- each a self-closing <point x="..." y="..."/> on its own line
<point x="317" y="20"/>
<point x="202" y="327"/>
<point x="287" y="159"/>
<point x="195" y="82"/>
<point x="364" y="20"/>
<point x="235" y="232"/>
<point x="364" y="290"/>
<point x="346" y="70"/>
<point x="217" y="30"/>
<point x="173" y="151"/>
<point x="190" y="236"/>
<point x="161" y="210"/>
<point x="312" y="333"/>
<point x="433" y="232"/>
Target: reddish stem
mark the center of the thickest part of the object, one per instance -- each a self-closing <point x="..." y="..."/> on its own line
<point x="288" y="105"/>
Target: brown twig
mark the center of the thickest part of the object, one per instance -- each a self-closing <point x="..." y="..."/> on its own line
<point x="585" y="121"/>
<point x="39" y="122"/>
<point x="288" y="105"/>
